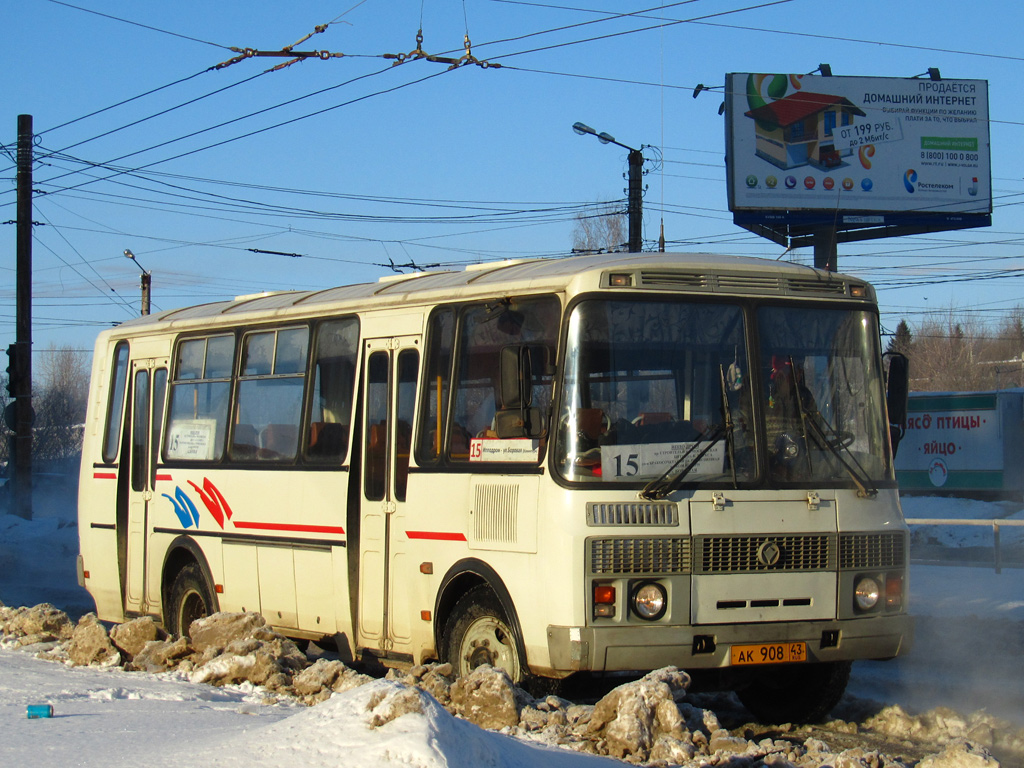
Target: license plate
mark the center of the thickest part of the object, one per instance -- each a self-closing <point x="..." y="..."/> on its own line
<point x="768" y="653"/>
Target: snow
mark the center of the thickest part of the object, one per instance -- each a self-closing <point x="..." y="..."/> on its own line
<point x="966" y="657"/>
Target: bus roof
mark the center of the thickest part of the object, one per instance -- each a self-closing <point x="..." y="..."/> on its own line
<point x="697" y="272"/>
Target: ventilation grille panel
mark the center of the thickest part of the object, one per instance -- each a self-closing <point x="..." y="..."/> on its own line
<point x="666" y="279"/>
<point x="740" y="554"/>
<point x="872" y="550"/>
<point x="632" y="513"/>
<point x="655" y="555"/>
<point x="815" y="285"/>
<point x="495" y="513"/>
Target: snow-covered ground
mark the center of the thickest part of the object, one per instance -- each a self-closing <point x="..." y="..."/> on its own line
<point x="967" y="657"/>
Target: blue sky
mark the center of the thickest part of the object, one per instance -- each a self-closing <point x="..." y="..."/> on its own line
<point x="352" y="163"/>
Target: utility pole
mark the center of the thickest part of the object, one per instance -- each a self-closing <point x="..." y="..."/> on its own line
<point x="19" y="415"/>
<point x="634" y="192"/>
<point x="146" y="282"/>
<point x="635" y="197"/>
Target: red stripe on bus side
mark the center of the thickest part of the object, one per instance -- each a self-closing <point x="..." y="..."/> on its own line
<point x="287" y="527"/>
<point x="436" y="535"/>
<point x="162" y="478"/>
<point x="104" y="475"/>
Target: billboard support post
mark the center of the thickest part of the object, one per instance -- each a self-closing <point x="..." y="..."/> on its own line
<point x="826" y="252"/>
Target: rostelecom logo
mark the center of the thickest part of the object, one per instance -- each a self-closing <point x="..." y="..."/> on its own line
<point x="910" y="180"/>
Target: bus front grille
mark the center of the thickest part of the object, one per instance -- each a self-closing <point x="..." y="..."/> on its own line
<point x="653" y="555"/>
<point x="872" y="550"/>
<point x="751" y="554"/>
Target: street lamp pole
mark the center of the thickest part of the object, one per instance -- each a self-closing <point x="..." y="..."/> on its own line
<point x="146" y="282"/>
<point x="634" y="192"/>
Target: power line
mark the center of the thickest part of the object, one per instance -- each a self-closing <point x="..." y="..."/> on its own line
<point x="641" y="29"/>
<point x="260" y="130"/>
<point x="836" y="38"/>
<point x="149" y="117"/>
<point x="139" y="24"/>
<point x="122" y="102"/>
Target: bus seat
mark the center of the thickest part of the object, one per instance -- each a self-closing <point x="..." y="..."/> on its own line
<point x="327" y="439"/>
<point x="653" y="417"/>
<point x="460" y="439"/>
<point x="590" y="422"/>
<point x="245" y="441"/>
<point x="280" y="439"/>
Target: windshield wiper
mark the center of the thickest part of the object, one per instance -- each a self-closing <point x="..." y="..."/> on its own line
<point x="729" y="436"/>
<point x="663" y="486"/>
<point x="835" y="443"/>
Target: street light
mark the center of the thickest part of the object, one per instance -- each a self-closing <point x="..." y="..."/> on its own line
<point x="147" y="279"/>
<point x="634" y="204"/>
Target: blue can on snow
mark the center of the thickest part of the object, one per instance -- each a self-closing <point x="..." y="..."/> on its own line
<point x="36" y="711"/>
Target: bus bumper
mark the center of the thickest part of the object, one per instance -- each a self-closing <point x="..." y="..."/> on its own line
<point x="611" y="649"/>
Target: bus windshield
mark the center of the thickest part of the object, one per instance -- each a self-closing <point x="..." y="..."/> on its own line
<point x="822" y="396"/>
<point x="655" y="387"/>
<point x="665" y="393"/>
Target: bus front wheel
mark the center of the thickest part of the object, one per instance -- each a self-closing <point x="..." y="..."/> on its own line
<point x="796" y="694"/>
<point x="478" y="633"/>
<point x="189" y="600"/>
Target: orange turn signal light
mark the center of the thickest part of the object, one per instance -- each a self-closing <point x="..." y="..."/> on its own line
<point x="604" y="593"/>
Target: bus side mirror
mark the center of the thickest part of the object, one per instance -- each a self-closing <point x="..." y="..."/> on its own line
<point x="897" y="395"/>
<point x="516" y="417"/>
<point x="516" y="370"/>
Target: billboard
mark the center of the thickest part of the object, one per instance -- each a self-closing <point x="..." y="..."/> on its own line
<point x="963" y="443"/>
<point x="861" y="144"/>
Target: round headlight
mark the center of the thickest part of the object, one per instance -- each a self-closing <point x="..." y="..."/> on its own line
<point x="866" y="593"/>
<point x="650" y="601"/>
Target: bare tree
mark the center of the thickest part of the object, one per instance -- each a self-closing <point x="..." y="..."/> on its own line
<point x="62" y="394"/>
<point x="955" y="353"/>
<point x="600" y="229"/>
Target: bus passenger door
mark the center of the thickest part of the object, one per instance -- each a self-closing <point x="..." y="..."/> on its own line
<point x="148" y="388"/>
<point x="390" y="369"/>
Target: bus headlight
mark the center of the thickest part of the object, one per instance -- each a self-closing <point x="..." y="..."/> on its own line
<point x="650" y="601"/>
<point x="866" y="593"/>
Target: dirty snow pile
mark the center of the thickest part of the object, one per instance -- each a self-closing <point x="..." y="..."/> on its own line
<point x="426" y="717"/>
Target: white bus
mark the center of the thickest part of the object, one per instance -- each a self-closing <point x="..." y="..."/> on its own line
<point x="595" y="464"/>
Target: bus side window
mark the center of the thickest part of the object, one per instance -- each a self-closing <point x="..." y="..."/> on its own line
<point x="376" y="458"/>
<point x="408" y="369"/>
<point x="485" y="330"/>
<point x="200" y="394"/>
<point x="115" y="406"/>
<point x="273" y="375"/>
<point x="330" y="408"/>
<point x="438" y="376"/>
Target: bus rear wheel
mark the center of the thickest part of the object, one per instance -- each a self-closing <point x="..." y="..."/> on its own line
<point x="478" y="633"/>
<point x="189" y="599"/>
<point x="796" y="694"/>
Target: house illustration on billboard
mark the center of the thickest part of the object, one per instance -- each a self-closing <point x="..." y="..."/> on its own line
<point x="798" y="129"/>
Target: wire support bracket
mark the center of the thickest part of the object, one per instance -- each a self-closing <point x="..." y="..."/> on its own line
<point x="419" y="53"/>
<point x="288" y="52"/>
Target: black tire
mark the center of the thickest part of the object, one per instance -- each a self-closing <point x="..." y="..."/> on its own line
<point x="189" y="599"/>
<point x="477" y="632"/>
<point x="796" y="694"/>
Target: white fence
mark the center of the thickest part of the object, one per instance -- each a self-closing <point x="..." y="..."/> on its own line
<point x="995" y="525"/>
